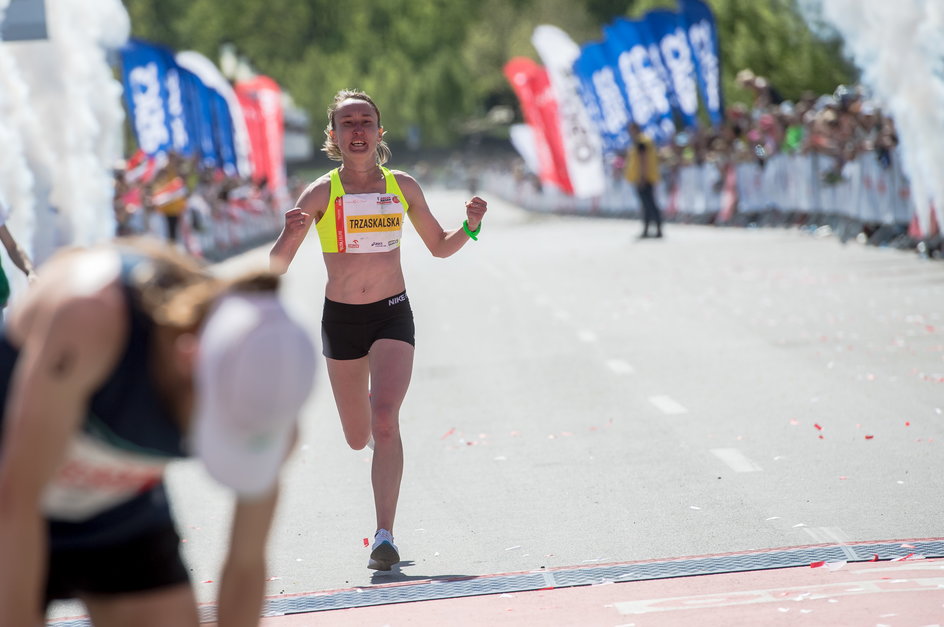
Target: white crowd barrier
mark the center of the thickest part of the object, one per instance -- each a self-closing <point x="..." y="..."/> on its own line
<point x="866" y="191"/>
<point x="229" y="228"/>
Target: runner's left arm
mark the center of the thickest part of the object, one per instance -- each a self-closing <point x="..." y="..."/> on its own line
<point x="440" y="242"/>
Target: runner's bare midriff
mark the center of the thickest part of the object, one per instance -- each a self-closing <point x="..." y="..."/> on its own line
<point x="361" y="278"/>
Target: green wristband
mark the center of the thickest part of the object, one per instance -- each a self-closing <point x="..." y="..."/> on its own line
<point x="473" y="234"/>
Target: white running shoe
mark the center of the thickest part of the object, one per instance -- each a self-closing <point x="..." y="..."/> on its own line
<point x="384" y="553"/>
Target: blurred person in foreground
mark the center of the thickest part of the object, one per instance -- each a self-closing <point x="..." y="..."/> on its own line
<point x="120" y="358"/>
<point x="642" y="171"/>
<point x="17" y="255"/>
<point x="367" y="323"/>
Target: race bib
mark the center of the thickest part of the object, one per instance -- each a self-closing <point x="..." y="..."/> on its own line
<point x="368" y="223"/>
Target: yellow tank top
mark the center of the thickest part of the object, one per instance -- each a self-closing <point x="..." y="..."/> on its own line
<point x="362" y="223"/>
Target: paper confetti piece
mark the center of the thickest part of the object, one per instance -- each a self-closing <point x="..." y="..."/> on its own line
<point x="834" y="566"/>
<point x="874" y="557"/>
<point x="366" y="543"/>
<point x="908" y="546"/>
<point x="448" y="433"/>
<point x="818" y="426"/>
<point x="902" y="559"/>
<point x="817" y="564"/>
<point x="207" y="581"/>
<point x="512" y="548"/>
<point x="870" y="437"/>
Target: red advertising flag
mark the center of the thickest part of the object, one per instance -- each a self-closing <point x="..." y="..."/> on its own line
<point x="255" y="126"/>
<point x="267" y="98"/>
<point x="539" y="107"/>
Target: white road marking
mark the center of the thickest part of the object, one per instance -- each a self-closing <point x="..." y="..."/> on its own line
<point x="619" y="366"/>
<point x="667" y="405"/>
<point x="735" y="459"/>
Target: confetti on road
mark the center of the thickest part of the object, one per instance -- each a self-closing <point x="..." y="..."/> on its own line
<point x="366" y="543"/>
<point x="448" y="433"/>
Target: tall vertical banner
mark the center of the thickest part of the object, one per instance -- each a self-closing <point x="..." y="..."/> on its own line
<point x="539" y="107"/>
<point x="235" y="137"/>
<point x="223" y="138"/>
<point x="583" y="152"/>
<point x="199" y="117"/>
<point x="667" y="32"/>
<point x="645" y="90"/>
<point x="601" y="89"/>
<point x="144" y="69"/>
<point x="702" y="32"/>
<point x="264" y="95"/>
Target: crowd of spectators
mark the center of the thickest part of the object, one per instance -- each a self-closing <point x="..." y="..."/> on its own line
<point x="841" y="126"/>
<point x="200" y="209"/>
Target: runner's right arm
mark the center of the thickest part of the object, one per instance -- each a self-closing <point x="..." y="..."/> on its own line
<point x="307" y="211"/>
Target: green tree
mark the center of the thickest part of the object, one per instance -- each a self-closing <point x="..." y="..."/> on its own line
<point x="436" y="64"/>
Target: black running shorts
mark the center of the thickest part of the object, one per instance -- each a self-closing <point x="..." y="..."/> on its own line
<point x="147" y="561"/>
<point x="348" y="331"/>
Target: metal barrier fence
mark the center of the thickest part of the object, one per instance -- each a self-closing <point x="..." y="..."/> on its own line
<point x="866" y="190"/>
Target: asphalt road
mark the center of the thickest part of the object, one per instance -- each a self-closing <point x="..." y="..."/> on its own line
<point x="580" y="397"/>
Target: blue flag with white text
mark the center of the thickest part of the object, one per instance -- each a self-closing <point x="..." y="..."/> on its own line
<point x="645" y="91"/>
<point x="702" y="33"/>
<point x="144" y="74"/>
<point x="667" y="32"/>
<point x="601" y="89"/>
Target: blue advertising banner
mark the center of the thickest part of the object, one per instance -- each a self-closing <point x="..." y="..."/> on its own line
<point x="602" y="90"/>
<point x="223" y="132"/>
<point x="176" y="111"/>
<point x="667" y="32"/>
<point x="702" y="33"/>
<point x="645" y="90"/>
<point x="144" y="73"/>
<point x="154" y="98"/>
<point x="199" y="117"/>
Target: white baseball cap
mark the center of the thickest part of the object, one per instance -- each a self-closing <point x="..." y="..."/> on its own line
<point x="255" y="370"/>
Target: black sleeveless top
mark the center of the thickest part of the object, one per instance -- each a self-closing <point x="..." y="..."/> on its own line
<point x="111" y="485"/>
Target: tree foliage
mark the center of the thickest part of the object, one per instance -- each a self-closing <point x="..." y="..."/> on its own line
<point x="435" y="64"/>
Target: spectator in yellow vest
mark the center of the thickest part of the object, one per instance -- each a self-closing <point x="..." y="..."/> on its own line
<point x="642" y="170"/>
